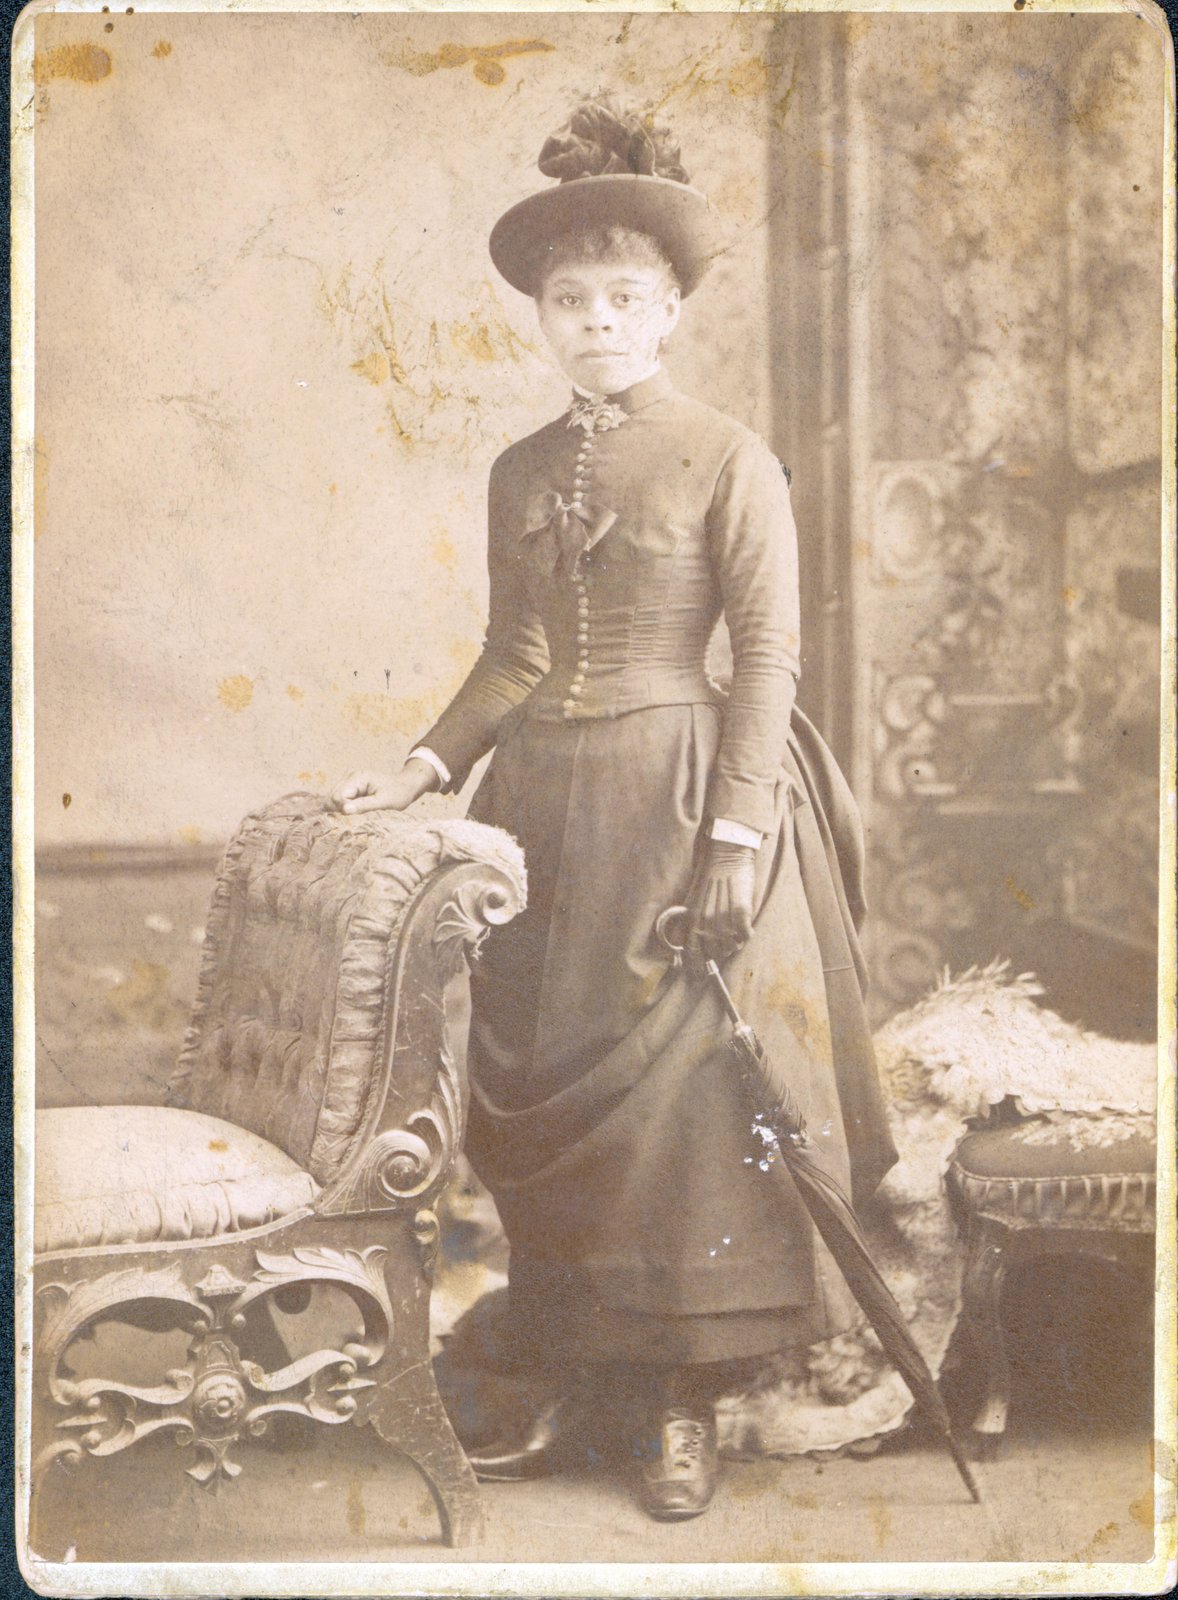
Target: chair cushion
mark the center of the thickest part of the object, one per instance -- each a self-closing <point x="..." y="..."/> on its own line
<point x="109" y="1175"/>
<point x="1069" y="1170"/>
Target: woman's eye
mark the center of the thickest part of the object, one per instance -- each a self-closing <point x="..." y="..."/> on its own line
<point x="570" y="300"/>
<point x="624" y="299"/>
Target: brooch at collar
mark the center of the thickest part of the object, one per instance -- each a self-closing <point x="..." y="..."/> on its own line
<point x="596" y="416"/>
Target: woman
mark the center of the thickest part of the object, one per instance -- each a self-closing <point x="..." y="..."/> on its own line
<point x="650" y="1230"/>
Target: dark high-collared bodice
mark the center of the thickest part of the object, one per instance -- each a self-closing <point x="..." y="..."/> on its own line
<point x="616" y="538"/>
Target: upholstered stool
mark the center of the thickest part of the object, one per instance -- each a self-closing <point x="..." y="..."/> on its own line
<point x="1049" y="1186"/>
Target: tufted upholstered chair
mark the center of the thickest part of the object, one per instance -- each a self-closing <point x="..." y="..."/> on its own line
<point x="312" y="1119"/>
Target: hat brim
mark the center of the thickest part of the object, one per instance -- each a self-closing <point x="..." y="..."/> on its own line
<point x="677" y="216"/>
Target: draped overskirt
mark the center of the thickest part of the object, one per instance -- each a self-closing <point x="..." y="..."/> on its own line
<point x="647" y="1220"/>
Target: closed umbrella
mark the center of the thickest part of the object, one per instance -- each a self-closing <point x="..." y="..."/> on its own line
<point x="781" y="1120"/>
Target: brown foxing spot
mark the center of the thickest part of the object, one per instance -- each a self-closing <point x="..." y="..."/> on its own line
<point x="486" y="60"/>
<point x="218" y="1145"/>
<point x="1099" y="1542"/>
<point x="374" y="367"/>
<point x="235" y="693"/>
<point x="163" y="47"/>
<point x="83" y="63"/>
<point x="804" y="1016"/>
<point x="1019" y="896"/>
<point x="749" y="78"/>
<point x="485" y="339"/>
<point x="67" y="800"/>
<point x="475" y="338"/>
<point x="442" y="549"/>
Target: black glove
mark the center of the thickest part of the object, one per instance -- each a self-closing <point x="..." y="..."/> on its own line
<point x="720" y="900"/>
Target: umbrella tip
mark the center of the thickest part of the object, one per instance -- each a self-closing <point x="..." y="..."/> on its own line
<point x="963" y="1468"/>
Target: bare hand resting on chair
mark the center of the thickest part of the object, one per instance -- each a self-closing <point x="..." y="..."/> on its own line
<point x="383" y="791"/>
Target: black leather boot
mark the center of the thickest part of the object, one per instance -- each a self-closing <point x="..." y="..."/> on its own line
<point x="680" y="1461"/>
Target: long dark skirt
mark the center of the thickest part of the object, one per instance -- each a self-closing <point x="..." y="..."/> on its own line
<point x="645" y="1218"/>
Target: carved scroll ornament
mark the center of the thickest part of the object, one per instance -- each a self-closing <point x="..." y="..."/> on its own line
<point x="218" y="1397"/>
<point x="402" y="1165"/>
<point x="466" y="920"/>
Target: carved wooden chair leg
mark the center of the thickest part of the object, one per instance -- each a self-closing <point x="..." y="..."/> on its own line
<point x="407" y="1412"/>
<point x="985" y="1274"/>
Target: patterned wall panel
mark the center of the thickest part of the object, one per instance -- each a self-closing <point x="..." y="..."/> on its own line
<point x="1003" y="515"/>
<point x="1113" y="581"/>
<point x="1114" y="155"/>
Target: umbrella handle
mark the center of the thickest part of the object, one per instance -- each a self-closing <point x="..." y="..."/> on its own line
<point x="665" y="928"/>
<point x="744" y="1040"/>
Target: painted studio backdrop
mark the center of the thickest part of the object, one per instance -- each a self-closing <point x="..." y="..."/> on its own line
<point x="274" y="364"/>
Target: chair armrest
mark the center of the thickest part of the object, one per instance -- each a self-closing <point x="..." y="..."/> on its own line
<point x="403" y="1154"/>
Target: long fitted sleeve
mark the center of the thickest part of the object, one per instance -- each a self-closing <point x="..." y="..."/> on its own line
<point x="513" y="659"/>
<point x="753" y="543"/>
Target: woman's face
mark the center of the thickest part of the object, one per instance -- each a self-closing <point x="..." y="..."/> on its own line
<point x="605" y="320"/>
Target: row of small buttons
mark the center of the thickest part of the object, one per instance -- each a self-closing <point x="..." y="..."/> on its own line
<point x="581" y="476"/>
<point x="581" y="472"/>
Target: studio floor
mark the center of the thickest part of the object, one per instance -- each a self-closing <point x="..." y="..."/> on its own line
<point x="117" y="961"/>
<point x="1061" y="1493"/>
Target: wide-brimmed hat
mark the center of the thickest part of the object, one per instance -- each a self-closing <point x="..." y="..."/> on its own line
<point x="616" y="168"/>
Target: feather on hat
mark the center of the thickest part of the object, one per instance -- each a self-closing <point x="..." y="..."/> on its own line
<point x="616" y="168"/>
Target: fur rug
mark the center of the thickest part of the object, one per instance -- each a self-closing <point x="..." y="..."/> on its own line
<point x="977" y="1042"/>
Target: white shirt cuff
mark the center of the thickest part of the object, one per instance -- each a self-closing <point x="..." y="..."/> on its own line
<point x="726" y="832"/>
<point x="421" y="753"/>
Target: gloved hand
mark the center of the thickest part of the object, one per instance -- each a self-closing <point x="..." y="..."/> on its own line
<point x="720" y="901"/>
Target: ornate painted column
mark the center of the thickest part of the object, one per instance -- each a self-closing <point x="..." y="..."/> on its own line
<point x="810" y="333"/>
